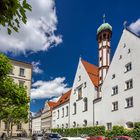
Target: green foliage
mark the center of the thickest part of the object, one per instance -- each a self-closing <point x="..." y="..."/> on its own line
<point x="12" y="12"/>
<point x="92" y="131"/>
<point x="136" y="131"/>
<point x="5" y="66"/>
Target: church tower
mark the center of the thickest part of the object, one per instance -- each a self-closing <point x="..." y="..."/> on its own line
<point x="104" y="33"/>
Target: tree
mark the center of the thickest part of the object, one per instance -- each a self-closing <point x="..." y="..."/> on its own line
<point x="14" y="102"/>
<point x="12" y="12"/>
<point x="5" y="66"/>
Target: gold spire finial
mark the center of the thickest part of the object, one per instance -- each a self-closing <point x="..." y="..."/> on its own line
<point x="104" y="18"/>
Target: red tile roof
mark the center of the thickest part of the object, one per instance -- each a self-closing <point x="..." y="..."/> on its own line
<point x="64" y="98"/>
<point x="92" y="71"/>
<point x="51" y="104"/>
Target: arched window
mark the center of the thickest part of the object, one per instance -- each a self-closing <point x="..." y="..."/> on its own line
<point x="74" y="124"/>
<point x="85" y="123"/>
<point x="62" y="125"/>
<point x="100" y="38"/>
<point x="104" y="36"/>
<point x="74" y="108"/>
<point x="66" y="125"/>
<point x="129" y="124"/>
<point x="85" y="104"/>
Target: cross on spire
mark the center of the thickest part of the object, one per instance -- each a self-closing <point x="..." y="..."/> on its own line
<point x="104" y="18"/>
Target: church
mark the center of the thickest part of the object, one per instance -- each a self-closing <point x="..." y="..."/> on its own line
<point x="107" y="94"/>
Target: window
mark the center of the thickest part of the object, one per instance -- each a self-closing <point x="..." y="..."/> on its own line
<point x="19" y="126"/>
<point x="79" y="93"/>
<point x="85" y="123"/>
<point x="67" y="111"/>
<point x="74" y="107"/>
<point x="109" y="126"/>
<point x="85" y="104"/>
<point x="79" y="78"/>
<point x="21" y="83"/>
<point x="129" y="124"/>
<point x="128" y="67"/>
<point x="57" y="126"/>
<point x="113" y="76"/>
<point x="115" y="90"/>
<point x="74" y="124"/>
<point x="57" y="114"/>
<point x="114" y="106"/>
<point x="124" y="45"/>
<point x="129" y="84"/>
<point x="85" y="84"/>
<point x="120" y="57"/>
<point x="66" y="125"/>
<point x="104" y="36"/>
<point x="129" y="102"/>
<point x="62" y="112"/>
<point x="21" y="72"/>
<point x="129" y="50"/>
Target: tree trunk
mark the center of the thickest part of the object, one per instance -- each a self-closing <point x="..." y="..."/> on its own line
<point x="8" y="129"/>
<point x="11" y="130"/>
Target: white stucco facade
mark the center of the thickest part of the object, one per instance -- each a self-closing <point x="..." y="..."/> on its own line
<point x="128" y="51"/>
<point x="82" y="117"/>
<point x="36" y="124"/>
<point x="60" y="116"/>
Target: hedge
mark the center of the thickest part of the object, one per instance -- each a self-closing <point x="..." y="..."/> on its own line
<point x="101" y="131"/>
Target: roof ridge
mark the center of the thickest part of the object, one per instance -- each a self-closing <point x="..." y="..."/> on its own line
<point x="88" y="62"/>
<point x="129" y="30"/>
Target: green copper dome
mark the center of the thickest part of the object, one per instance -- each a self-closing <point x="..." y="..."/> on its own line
<point x="103" y="27"/>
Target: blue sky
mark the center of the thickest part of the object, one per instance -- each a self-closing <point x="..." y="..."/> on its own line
<point x="58" y="33"/>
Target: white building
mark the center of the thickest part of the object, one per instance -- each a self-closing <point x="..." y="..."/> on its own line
<point x="84" y="90"/>
<point x="46" y="116"/>
<point x="36" y="124"/>
<point x="60" y="113"/>
<point x="108" y="94"/>
<point x="120" y="90"/>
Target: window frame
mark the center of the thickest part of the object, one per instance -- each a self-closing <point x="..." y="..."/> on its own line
<point x="22" y="73"/>
<point x="115" y="106"/>
<point x="129" y="84"/>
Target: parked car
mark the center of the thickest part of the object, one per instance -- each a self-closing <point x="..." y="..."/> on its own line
<point x="72" y="138"/>
<point x="3" y="136"/>
<point x="97" y="138"/>
<point x="122" y="138"/>
<point x="37" y="136"/>
<point x="51" y="136"/>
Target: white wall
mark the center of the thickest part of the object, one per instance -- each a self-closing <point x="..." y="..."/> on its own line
<point x="103" y="109"/>
<point x="89" y="92"/>
<point x="62" y="120"/>
<point x="36" y="125"/>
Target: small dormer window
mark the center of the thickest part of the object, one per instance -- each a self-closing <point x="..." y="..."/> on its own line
<point x="113" y="76"/>
<point x="124" y="45"/>
<point x="120" y="57"/>
<point x="79" y="78"/>
<point x="129" y="50"/>
<point x="85" y="84"/>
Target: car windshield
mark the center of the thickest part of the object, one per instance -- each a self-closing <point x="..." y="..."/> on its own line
<point x="54" y="136"/>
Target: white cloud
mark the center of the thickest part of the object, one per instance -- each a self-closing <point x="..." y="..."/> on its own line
<point x="55" y="99"/>
<point x="36" y="68"/>
<point x="135" y="26"/>
<point x="39" y="32"/>
<point x="48" y="89"/>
